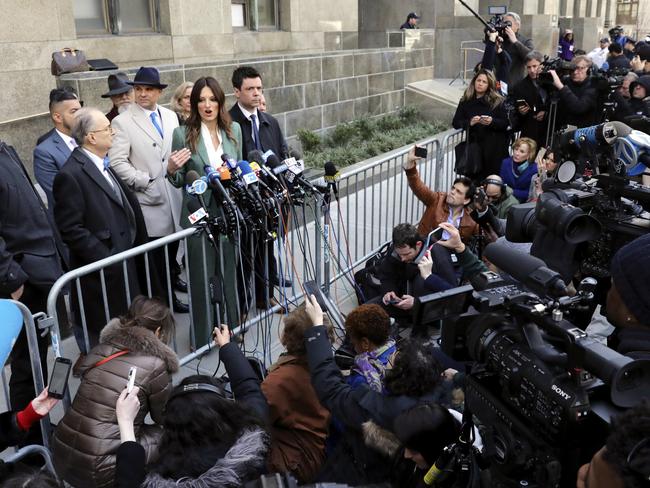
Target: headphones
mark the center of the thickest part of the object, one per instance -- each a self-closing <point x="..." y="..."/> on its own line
<point x="491" y="181"/>
<point x="201" y="387"/>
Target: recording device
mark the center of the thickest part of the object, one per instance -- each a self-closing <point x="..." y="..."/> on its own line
<point x="421" y="152"/>
<point x="577" y="227"/>
<point x="131" y="381"/>
<point x="559" y="65"/>
<point x="496" y="22"/>
<point x="480" y="196"/>
<point x="542" y="389"/>
<point x="59" y="378"/>
<point x="311" y="288"/>
<point x="521" y="103"/>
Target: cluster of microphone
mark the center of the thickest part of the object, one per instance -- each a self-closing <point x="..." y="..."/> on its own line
<point x="252" y="193"/>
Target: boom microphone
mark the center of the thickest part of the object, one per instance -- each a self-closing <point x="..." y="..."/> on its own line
<point x="532" y="272"/>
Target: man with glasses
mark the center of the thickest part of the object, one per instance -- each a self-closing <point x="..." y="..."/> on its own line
<point x="578" y="99"/>
<point x="97" y="217"/>
<point x="54" y="148"/>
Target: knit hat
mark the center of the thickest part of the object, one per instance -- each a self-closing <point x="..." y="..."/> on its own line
<point x="630" y="271"/>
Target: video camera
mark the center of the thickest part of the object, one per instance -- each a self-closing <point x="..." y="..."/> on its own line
<point x="577" y="226"/>
<point x="542" y="390"/>
<point x="559" y="65"/>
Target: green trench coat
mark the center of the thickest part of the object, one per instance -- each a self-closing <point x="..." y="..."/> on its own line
<point x="203" y="309"/>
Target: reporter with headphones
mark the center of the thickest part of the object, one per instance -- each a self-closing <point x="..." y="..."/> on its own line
<point x="212" y="437"/>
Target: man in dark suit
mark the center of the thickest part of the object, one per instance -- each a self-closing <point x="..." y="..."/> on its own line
<point x="260" y="131"/>
<point x="531" y="101"/>
<point x="54" y="149"/>
<point x="30" y="262"/>
<point x="97" y="216"/>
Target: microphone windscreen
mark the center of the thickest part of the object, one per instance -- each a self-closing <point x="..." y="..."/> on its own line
<point x="294" y="153"/>
<point x="330" y="169"/>
<point x="272" y="161"/>
<point x="247" y="172"/>
<point x="191" y="177"/>
<point x="256" y="156"/>
<point x="193" y="204"/>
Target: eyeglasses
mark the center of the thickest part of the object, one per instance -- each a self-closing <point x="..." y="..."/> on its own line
<point x="581" y="68"/>
<point x="109" y="128"/>
<point x="643" y="471"/>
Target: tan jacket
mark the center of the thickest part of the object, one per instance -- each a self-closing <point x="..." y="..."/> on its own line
<point x="86" y="439"/>
<point x="139" y="156"/>
<point x="436" y="209"/>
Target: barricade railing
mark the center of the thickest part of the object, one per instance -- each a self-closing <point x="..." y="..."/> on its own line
<point x="323" y="242"/>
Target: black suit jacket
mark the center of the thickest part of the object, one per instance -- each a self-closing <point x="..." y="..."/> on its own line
<point x="538" y="101"/>
<point x="270" y="134"/>
<point x="29" y="246"/>
<point x="96" y="223"/>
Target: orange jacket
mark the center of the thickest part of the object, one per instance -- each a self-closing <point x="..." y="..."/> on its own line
<point x="436" y="208"/>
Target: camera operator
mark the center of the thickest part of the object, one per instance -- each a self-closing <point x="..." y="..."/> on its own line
<point x="638" y="101"/>
<point x="531" y="101"/>
<point x="491" y="204"/>
<point x="494" y="51"/>
<point x="517" y="46"/>
<point x="624" y="462"/>
<point x="616" y="58"/>
<point x="628" y="300"/>
<point x="578" y="99"/>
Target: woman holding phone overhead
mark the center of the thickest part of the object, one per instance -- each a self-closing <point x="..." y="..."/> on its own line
<point x="482" y="113"/>
<point x="86" y="440"/>
<point x="208" y="133"/>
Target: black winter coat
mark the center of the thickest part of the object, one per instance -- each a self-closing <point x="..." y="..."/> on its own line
<point x="492" y="138"/>
<point x="355" y="463"/>
<point x="95" y="224"/>
<point x="270" y="134"/>
<point x="578" y="104"/>
<point x="538" y="101"/>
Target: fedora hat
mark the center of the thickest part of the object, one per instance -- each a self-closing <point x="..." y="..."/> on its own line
<point x="117" y="84"/>
<point x="147" y="76"/>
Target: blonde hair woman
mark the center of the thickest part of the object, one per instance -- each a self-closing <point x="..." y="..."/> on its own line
<point x="180" y="102"/>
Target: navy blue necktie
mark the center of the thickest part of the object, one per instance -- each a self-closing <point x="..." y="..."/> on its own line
<point x="154" y="119"/>
<point x="256" y="133"/>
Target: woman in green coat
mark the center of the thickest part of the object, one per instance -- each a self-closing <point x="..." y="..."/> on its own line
<point x="208" y="133"/>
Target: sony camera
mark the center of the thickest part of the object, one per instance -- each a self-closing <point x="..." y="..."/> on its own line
<point x="560" y="66"/>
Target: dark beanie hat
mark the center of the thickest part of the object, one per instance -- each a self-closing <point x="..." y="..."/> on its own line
<point x="631" y="274"/>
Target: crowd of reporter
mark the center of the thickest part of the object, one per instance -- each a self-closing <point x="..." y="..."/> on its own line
<point x="388" y="415"/>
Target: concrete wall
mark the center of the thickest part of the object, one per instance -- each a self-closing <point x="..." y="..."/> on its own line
<point x="314" y="91"/>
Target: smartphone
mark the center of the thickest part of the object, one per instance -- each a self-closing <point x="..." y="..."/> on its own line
<point x="59" y="378"/>
<point x="432" y="237"/>
<point x="394" y="301"/>
<point x="521" y="103"/>
<point x="131" y="381"/>
<point x="311" y="288"/>
<point x="421" y="152"/>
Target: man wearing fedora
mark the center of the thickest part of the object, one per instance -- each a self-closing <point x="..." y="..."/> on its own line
<point x="139" y="155"/>
<point x="120" y="93"/>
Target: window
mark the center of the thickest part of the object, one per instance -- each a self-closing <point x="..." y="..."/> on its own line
<point x="94" y="17"/>
<point x="627" y="11"/>
<point x="255" y="14"/>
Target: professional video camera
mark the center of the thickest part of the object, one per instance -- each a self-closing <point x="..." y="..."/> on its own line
<point x="560" y="66"/>
<point x="542" y="390"/>
<point x="496" y="22"/>
<point x="577" y="226"/>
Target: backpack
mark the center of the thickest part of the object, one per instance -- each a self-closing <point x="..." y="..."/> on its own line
<point x="368" y="285"/>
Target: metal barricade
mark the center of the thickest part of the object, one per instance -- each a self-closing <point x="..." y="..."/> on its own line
<point x="471" y="53"/>
<point x="319" y="240"/>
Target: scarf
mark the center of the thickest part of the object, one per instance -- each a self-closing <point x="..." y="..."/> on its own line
<point x="368" y="365"/>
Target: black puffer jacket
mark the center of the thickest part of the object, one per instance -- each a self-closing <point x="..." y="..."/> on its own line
<point x="86" y="440"/>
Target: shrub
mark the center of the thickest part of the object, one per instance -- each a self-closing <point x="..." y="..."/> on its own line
<point x="366" y="137"/>
<point x="309" y="140"/>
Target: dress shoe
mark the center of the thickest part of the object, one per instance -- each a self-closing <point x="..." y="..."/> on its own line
<point x="180" y="284"/>
<point x="76" y="369"/>
<point x="180" y="307"/>
<point x="281" y="282"/>
<point x="261" y="304"/>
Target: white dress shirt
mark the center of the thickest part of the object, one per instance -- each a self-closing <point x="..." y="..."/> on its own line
<point x="99" y="162"/>
<point x="69" y="141"/>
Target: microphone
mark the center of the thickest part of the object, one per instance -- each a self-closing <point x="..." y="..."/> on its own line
<point x="196" y="185"/>
<point x="214" y="180"/>
<point x="436" y="471"/>
<point x="258" y="161"/>
<point x="332" y="175"/>
<point x="198" y="212"/>
<point x="247" y="173"/>
<point x="532" y="272"/>
<point x="229" y="161"/>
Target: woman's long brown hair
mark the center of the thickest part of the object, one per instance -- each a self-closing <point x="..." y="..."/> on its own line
<point x="193" y="123"/>
<point x="492" y="96"/>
